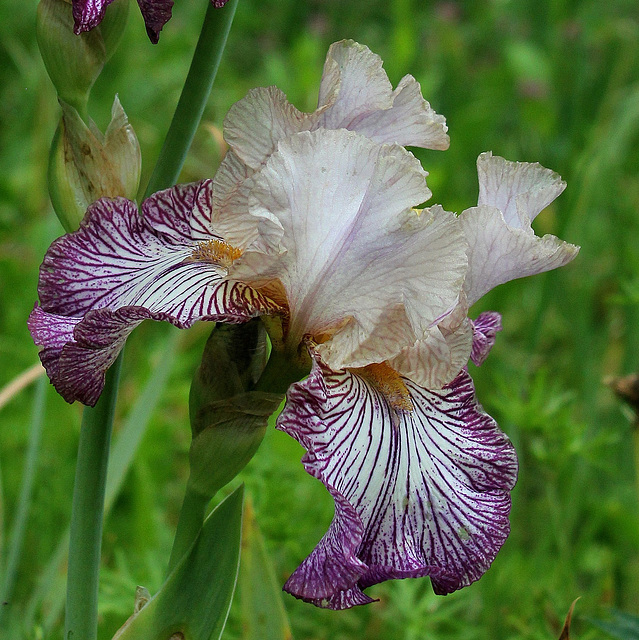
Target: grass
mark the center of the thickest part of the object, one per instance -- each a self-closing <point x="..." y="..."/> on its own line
<point x="553" y="81"/>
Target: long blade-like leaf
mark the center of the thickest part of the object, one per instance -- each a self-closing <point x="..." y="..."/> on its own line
<point x="124" y="449"/>
<point x="263" y="612"/>
<point x="194" y="602"/>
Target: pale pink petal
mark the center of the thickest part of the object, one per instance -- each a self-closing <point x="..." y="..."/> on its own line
<point x="230" y="214"/>
<point x="352" y="249"/>
<point x="356" y="94"/>
<point x="436" y="359"/>
<point x="254" y="125"/>
<point x="498" y="252"/>
<point x="502" y="244"/>
<point x="520" y="190"/>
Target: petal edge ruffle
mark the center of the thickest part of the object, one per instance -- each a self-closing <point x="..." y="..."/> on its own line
<point x="430" y="487"/>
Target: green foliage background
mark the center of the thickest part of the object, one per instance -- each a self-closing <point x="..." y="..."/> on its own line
<point x="554" y="81"/>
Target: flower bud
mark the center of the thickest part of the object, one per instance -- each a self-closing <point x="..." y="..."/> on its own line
<point x="86" y="165"/>
<point x="73" y="62"/>
<point x="228" y="417"/>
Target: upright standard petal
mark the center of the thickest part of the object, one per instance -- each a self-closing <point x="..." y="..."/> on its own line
<point x="121" y="268"/>
<point x="502" y="244"/>
<point x="418" y="491"/>
<point x="355" y="94"/>
<point x="352" y="249"/>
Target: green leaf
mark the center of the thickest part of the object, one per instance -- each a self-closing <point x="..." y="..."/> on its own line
<point x="624" y="626"/>
<point x="263" y="612"/>
<point x="50" y="592"/>
<point x="194" y="602"/>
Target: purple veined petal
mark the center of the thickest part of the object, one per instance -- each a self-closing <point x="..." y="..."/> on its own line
<point x="417" y="493"/>
<point x="77" y="352"/>
<point x="88" y="14"/>
<point x="51" y="332"/>
<point x="121" y="268"/>
<point x="156" y="14"/>
<point x="119" y="259"/>
<point x="182" y="213"/>
<point x="485" y="329"/>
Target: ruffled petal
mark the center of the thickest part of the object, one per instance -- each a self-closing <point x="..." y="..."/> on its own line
<point x="437" y="359"/>
<point x="78" y="351"/>
<point x="254" y="125"/>
<point x="498" y="253"/>
<point x="88" y="14"/>
<point x="356" y="94"/>
<point x="352" y="249"/>
<point x="502" y="243"/>
<point x="485" y="329"/>
<point x="51" y="332"/>
<point x="520" y="190"/>
<point x="119" y="269"/>
<point x="417" y="492"/>
<point x="230" y="212"/>
<point x="119" y="258"/>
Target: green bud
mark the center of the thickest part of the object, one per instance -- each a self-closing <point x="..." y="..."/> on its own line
<point x="228" y="417"/>
<point x="86" y="165"/>
<point x="113" y="24"/>
<point x="74" y="62"/>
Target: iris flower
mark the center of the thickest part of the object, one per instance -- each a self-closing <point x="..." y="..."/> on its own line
<point x="312" y="222"/>
<point x="156" y="13"/>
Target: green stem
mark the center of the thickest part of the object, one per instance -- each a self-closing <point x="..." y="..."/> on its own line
<point x="189" y="525"/>
<point x="93" y="451"/>
<point x="81" y="622"/>
<point x="281" y="372"/>
<point x="635" y="436"/>
<point x="197" y="87"/>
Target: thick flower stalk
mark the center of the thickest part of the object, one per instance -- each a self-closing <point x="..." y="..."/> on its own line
<point x="88" y="14"/>
<point x="311" y="224"/>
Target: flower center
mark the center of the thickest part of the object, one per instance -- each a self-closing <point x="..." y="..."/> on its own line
<point x="216" y="252"/>
<point x="389" y="383"/>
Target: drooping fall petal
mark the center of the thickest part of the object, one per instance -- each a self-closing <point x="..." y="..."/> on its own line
<point x="417" y="492"/>
<point x="121" y="268"/>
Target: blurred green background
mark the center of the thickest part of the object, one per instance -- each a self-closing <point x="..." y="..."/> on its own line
<point x="553" y="81"/>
